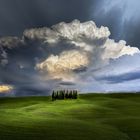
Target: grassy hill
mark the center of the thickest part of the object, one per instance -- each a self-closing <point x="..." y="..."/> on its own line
<point x="91" y="117"/>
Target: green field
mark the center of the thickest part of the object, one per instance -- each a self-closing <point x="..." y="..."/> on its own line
<point x="90" y="117"/>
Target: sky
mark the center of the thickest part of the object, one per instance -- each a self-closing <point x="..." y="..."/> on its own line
<point x="88" y="45"/>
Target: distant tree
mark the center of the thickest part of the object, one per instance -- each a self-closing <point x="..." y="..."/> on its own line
<point x="53" y="95"/>
<point x="70" y="94"/>
<point x="57" y="94"/>
<point x="67" y="94"/>
<point x="64" y="94"/>
<point x="75" y="94"/>
<point x="61" y="94"/>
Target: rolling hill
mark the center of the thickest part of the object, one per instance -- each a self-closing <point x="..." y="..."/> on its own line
<point x="90" y="117"/>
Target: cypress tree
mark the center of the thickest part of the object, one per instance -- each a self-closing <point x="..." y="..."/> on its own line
<point x="53" y="96"/>
<point x="66" y="94"/>
<point x="75" y="94"/>
<point x="57" y="95"/>
<point x="63" y="94"/>
<point x="70" y="94"/>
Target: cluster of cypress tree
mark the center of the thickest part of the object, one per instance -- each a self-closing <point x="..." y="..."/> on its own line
<point x="64" y="94"/>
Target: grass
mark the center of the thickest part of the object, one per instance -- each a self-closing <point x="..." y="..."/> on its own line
<point x="91" y="117"/>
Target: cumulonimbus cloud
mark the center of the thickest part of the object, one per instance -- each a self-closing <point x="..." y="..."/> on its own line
<point x="92" y="46"/>
<point x="65" y="52"/>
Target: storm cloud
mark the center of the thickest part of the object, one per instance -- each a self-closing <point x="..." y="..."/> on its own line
<point x="42" y="47"/>
<point x="85" y="48"/>
<point x="92" y="46"/>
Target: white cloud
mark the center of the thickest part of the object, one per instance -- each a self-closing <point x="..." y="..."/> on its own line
<point x="62" y="66"/>
<point x="117" y="49"/>
<point x="93" y="48"/>
<point x="68" y="30"/>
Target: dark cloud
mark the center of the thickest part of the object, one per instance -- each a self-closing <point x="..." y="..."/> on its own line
<point x="10" y="42"/>
<point x="32" y="91"/>
<point x="122" y="77"/>
<point x="81" y="69"/>
<point x="132" y="32"/>
<point x="18" y="15"/>
<point x="67" y="83"/>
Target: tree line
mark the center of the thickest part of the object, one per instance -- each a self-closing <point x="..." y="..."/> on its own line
<point x="64" y="94"/>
